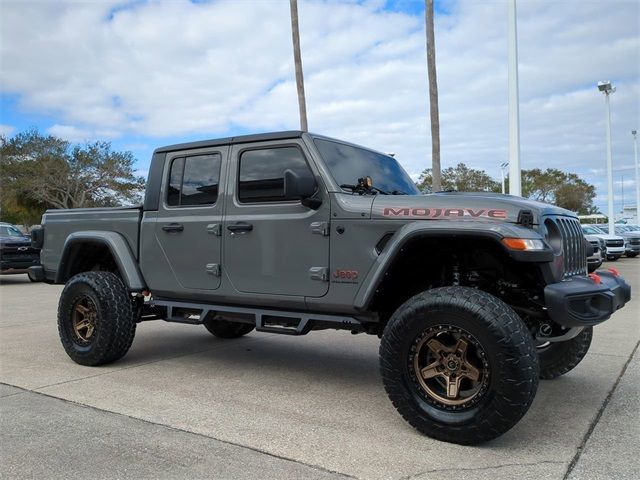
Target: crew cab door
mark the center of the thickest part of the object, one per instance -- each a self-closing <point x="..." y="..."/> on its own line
<point x="189" y="221"/>
<point x="274" y="244"/>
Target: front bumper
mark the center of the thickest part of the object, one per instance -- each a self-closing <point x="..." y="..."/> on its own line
<point x="581" y="302"/>
<point x="17" y="265"/>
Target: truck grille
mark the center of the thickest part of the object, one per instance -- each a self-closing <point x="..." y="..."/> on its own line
<point x="574" y="248"/>
<point x="615" y="243"/>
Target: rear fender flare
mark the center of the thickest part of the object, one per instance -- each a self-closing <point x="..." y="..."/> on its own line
<point x="117" y="245"/>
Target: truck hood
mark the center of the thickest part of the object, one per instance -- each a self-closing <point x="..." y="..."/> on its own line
<point x="458" y="206"/>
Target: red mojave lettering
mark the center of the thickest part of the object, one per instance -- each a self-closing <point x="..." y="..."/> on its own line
<point x="443" y="212"/>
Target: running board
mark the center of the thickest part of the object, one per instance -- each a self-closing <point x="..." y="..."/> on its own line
<point x="272" y="321"/>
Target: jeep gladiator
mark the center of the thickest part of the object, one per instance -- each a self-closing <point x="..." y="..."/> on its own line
<point x="475" y="296"/>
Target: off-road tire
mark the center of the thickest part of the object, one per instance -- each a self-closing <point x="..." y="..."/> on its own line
<point x="561" y="357"/>
<point x="115" y="320"/>
<point x="510" y="352"/>
<point x="228" y="329"/>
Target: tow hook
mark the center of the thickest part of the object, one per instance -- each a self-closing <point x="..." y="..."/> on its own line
<point x="596" y="278"/>
<point x="614" y="271"/>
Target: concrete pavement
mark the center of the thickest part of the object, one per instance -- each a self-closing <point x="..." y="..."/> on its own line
<point x="311" y="406"/>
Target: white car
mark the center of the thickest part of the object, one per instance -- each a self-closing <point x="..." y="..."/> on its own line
<point x="614" y="243"/>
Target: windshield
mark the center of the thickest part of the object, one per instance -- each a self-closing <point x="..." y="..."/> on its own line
<point x="592" y="231"/>
<point x="348" y="163"/>
<point x="6" y="231"/>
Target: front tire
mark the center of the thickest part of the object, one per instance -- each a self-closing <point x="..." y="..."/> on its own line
<point x="96" y="320"/>
<point x="558" y="358"/>
<point x="459" y="365"/>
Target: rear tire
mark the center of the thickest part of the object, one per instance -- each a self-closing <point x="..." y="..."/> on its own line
<point x="561" y="357"/>
<point x="499" y="353"/>
<point x="96" y="322"/>
<point x="228" y="329"/>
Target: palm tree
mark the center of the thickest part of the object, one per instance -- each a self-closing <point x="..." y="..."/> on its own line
<point x="297" y="58"/>
<point x="433" y="97"/>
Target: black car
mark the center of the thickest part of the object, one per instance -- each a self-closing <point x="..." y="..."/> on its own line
<point x="16" y="252"/>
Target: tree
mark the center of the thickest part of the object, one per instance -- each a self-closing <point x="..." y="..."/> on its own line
<point x="297" y="60"/>
<point x="40" y="172"/>
<point x="459" y="178"/>
<point x="564" y="189"/>
<point x="433" y="96"/>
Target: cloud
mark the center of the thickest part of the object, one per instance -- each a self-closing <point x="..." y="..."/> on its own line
<point x="6" y="130"/>
<point x="70" y="133"/>
<point x="159" y="69"/>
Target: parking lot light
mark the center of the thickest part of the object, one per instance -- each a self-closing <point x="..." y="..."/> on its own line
<point x="606" y="88"/>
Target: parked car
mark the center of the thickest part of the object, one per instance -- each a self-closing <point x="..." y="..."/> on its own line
<point x="614" y="243"/>
<point x="16" y="252"/>
<point x="594" y="261"/>
<point x="475" y="296"/>
<point x="631" y="239"/>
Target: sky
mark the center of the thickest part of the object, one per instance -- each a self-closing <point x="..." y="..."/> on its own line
<point x="143" y="74"/>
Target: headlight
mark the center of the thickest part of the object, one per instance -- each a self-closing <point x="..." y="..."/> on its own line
<point x="523" y="244"/>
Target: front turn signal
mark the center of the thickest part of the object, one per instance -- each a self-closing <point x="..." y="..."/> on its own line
<point x="523" y="244"/>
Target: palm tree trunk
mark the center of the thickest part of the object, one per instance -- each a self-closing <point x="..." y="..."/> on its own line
<point x="433" y="97"/>
<point x="295" y="33"/>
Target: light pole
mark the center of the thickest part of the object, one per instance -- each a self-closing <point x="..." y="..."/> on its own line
<point x="515" y="186"/>
<point x="635" y="157"/>
<point x="606" y="88"/>
<point x="502" y="167"/>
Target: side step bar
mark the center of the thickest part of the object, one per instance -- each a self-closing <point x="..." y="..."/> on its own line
<point x="272" y="321"/>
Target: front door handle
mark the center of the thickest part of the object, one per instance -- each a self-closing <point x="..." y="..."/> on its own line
<point x="173" y="227"/>
<point x="240" y="227"/>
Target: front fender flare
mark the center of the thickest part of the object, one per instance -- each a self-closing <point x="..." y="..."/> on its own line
<point x="117" y="245"/>
<point x="447" y="229"/>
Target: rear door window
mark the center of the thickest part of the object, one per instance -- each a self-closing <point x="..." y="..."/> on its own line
<point x="194" y="180"/>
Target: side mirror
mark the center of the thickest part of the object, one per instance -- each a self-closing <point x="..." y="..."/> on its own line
<point x="301" y="187"/>
<point x="297" y="186"/>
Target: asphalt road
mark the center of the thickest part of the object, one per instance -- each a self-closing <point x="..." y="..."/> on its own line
<point x="183" y="404"/>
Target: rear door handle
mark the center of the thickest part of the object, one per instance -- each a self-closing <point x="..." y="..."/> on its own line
<point x="240" y="227"/>
<point x="173" y="227"/>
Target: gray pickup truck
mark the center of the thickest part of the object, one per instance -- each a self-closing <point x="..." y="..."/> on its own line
<point x="475" y="296"/>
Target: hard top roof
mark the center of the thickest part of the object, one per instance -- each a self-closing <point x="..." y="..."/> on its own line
<point x="260" y="137"/>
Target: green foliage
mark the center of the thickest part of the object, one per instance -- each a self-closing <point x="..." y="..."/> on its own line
<point x="566" y="190"/>
<point x="460" y="178"/>
<point x="43" y="171"/>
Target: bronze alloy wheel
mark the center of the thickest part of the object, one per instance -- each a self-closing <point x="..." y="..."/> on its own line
<point x="83" y="320"/>
<point x="449" y="366"/>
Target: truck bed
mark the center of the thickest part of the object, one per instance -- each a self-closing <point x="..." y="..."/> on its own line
<point x="59" y="224"/>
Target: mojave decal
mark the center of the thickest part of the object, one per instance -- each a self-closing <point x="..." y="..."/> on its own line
<point x="443" y="212"/>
